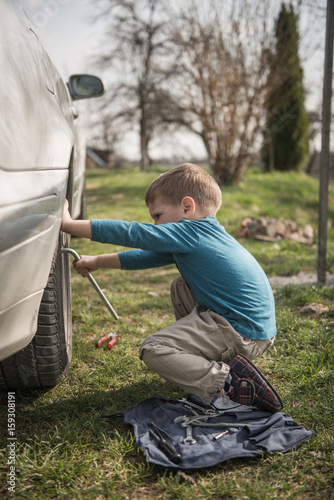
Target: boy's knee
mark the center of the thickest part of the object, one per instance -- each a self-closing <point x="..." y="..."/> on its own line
<point x="150" y="357"/>
<point x="154" y="353"/>
<point x="147" y="349"/>
<point x="145" y="357"/>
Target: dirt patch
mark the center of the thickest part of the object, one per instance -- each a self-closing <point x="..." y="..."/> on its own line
<point x="300" y="279"/>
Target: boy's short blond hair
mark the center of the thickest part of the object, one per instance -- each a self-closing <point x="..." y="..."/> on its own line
<point x="187" y="179"/>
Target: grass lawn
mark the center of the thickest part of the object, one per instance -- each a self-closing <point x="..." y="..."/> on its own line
<point x="65" y="450"/>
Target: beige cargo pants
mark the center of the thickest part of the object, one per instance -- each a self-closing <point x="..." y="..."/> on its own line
<point x="193" y="353"/>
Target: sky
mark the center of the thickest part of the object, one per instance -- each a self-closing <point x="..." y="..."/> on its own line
<point x="70" y="37"/>
<point x="64" y="28"/>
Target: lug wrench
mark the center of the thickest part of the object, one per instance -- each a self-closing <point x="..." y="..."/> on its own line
<point x="93" y="282"/>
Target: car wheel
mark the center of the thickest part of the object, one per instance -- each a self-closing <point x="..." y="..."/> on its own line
<point x="47" y="358"/>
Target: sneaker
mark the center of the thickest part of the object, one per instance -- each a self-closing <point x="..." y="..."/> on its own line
<point x="249" y="387"/>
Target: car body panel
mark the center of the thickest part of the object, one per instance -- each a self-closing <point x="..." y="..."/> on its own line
<point x="32" y="90"/>
<point x="28" y="237"/>
<point x="18" y="333"/>
<point x="42" y="161"/>
<point x="33" y="222"/>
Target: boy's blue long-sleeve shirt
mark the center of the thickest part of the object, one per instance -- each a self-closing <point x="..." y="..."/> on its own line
<point x="221" y="274"/>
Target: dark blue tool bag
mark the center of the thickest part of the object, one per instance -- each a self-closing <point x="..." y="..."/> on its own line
<point x="236" y="432"/>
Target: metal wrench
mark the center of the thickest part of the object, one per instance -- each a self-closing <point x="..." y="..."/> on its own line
<point x="216" y="424"/>
<point x="189" y="436"/>
<point x="201" y="420"/>
<point x="197" y="407"/>
<point x="93" y="282"/>
<point x="186" y="420"/>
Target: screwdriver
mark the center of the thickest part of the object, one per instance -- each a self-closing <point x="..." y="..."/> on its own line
<point x="166" y="448"/>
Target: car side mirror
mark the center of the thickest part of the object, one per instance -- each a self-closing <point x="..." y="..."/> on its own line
<point x="85" y="86"/>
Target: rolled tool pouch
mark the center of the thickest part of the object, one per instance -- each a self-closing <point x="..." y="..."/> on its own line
<point x="230" y="431"/>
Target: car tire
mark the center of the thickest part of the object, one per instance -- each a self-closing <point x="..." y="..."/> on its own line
<point x="46" y="360"/>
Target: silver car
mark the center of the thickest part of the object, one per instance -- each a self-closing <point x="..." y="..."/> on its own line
<point x="42" y="162"/>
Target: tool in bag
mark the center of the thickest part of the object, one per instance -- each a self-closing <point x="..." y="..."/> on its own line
<point x="219" y="436"/>
<point x="164" y="446"/>
<point x="202" y="420"/>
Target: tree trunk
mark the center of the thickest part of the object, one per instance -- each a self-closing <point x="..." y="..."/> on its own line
<point x="145" y="160"/>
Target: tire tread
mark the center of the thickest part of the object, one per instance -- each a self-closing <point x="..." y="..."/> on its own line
<point x="45" y="361"/>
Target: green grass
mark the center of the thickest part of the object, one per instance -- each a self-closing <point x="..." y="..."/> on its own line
<point x="65" y="450"/>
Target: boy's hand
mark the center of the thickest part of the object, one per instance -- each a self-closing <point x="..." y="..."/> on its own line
<point x="66" y="217"/>
<point x="86" y="264"/>
<point x="81" y="228"/>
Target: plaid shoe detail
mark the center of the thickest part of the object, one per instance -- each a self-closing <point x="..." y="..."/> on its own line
<point x="244" y="392"/>
<point x="249" y="386"/>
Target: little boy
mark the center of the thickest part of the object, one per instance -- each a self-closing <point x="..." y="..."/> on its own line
<point x="223" y="303"/>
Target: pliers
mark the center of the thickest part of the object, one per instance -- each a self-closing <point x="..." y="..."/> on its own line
<point x="112" y="337"/>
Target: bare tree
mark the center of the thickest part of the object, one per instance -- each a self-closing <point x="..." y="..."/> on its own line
<point x="107" y="134"/>
<point x="200" y="65"/>
<point x="135" y="50"/>
<point x="221" y="79"/>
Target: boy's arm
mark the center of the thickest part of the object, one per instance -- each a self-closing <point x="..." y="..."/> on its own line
<point x="81" y="228"/>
